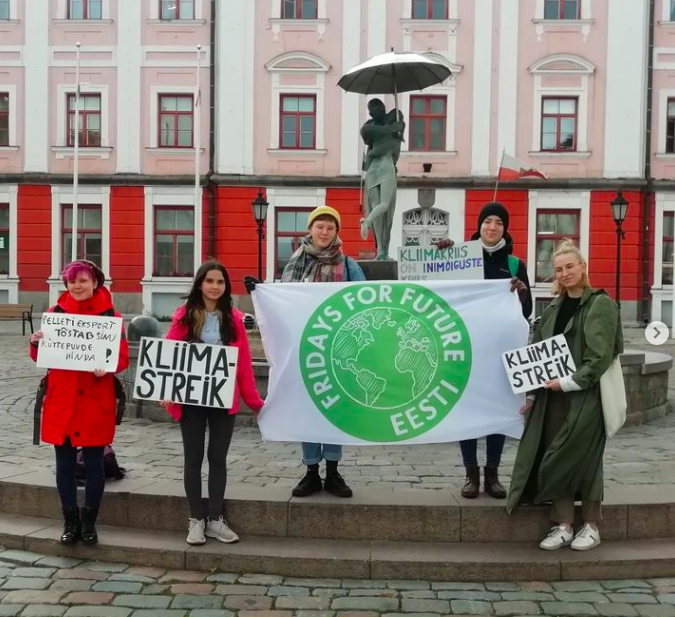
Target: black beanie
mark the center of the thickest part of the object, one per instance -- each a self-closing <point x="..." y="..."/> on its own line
<point x="494" y="208"/>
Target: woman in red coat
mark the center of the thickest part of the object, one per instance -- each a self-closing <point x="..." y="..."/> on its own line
<point x="78" y="409"/>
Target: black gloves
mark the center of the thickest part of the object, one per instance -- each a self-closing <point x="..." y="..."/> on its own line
<point x="250" y="283"/>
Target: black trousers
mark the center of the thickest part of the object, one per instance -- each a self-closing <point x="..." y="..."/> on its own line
<point x="494" y="445"/>
<point x="66" y="482"/>
<point x="193" y="429"/>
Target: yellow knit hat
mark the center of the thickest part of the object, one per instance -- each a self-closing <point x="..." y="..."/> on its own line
<point x="321" y="211"/>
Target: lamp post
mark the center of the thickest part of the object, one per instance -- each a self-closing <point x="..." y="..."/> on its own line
<point x="619" y="212"/>
<point x="260" y="205"/>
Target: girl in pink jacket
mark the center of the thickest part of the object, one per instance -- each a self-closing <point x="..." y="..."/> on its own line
<point x="208" y="317"/>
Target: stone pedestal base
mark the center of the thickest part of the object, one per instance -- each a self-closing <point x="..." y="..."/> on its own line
<point x="380" y="270"/>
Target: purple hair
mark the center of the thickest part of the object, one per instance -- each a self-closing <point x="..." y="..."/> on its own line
<point x="75" y="268"/>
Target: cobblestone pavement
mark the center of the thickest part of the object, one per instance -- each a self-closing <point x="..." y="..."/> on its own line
<point x="638" y="455"/>
<point x="37" y="586"/>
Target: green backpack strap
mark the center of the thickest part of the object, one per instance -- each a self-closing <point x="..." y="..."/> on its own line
<point x="514" y="265"/>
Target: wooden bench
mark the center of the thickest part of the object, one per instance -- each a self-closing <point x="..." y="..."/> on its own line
<point x="24" y="312"/>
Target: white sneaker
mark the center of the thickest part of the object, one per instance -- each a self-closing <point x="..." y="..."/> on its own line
<point x="196" y="531"/>
<point x="586" y="539"/>
<point x="557" y="538"/>
<point x="220" y="531"/>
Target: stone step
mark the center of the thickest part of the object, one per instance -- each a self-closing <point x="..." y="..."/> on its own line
<point x="418" y="516"/>
<point x="351" y="559"/>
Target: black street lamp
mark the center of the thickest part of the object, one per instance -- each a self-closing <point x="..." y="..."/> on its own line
<point x="619" y="212"/>
<point x="260" y="205"/>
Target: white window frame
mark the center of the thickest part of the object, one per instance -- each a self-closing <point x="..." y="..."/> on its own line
<point x="155" y="93"/>
<point x="449" y="25"/>
<point x="89" y="195"/>
<point x="157" y="196"/>
<point x="10" y="282"/>
<point x="62" y="12"/>
<point x="13" y="12"/>
<point x="62" y="149"/>
<point x="295" y="198"/>
<point x="662" y="122"/>
<point x="10" y="89"/>
<point x="276" y="69"/>
<point x="539" y="70"/>
<point x="554" y="200"/>
<point x="665" y="202"/>
<point x="278" y="24"/>
<point x="156" y="17"/>
<point x="665" y="12"/>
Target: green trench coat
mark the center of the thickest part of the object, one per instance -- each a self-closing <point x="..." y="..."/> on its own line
<point x="572" y="465"/>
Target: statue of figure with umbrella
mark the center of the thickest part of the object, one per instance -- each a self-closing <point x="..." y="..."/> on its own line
<point x="389" y="73"/>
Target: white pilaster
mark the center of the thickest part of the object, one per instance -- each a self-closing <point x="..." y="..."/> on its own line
<point x="482" y="82"/>
<point x="36" y="62"/>
<point x="351" y="55"/>
<point x="627" y="29"/>
<point x="508" y="79"/>
<point x="234" y="86"/>
<point x="128" y="144"/>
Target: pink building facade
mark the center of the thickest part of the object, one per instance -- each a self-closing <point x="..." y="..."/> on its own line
<point x="560" y="84"/>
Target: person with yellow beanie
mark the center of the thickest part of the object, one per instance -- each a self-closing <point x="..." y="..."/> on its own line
<point x="320" y="259"/>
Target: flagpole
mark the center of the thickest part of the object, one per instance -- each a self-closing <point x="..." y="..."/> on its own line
<point x="494" y="197"/>
<point x="76" y="155"/>
<point x="197" y="141"/>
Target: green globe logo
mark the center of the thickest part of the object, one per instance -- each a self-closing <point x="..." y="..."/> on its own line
<point x="385" y="362"/>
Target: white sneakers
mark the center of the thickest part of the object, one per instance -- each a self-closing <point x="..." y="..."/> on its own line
<point x="584" y="540"/>
<point x="557" y="538"/>
<point x="196" y="531"/>
<point x="220" y="531"/>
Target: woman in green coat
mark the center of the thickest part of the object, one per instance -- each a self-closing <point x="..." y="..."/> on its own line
<point x="560" y="454"/>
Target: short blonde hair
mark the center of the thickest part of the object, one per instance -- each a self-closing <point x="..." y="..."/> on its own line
<point x="567" y="247"/>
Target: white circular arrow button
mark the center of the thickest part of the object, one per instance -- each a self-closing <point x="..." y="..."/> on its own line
<point x="657" y="333"/>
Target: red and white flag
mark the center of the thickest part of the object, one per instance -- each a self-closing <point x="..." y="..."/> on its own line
<point x="511" y="169"/>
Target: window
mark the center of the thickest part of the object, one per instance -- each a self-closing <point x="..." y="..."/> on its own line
<point x="424" y="226"/>
<point x="89" y="121"/>
<point x="298" y="122"/>
<point x="299" y="9"/>
<point x="672" y="10"/>
<point x="670" y="126"/>
<point x="85" y="9"/>
<point x="559" y="124"/>
<point x="668" y="235"/>
<point x="4" y="119"/>
<point x="89" y="238"/>
<point x="562" y="9"/>
<point x="174" y="241"/>
<point x="427" y="123"/>
<point x="4" y="10"/>
<point x="552" y="228"/>
<point x="175" y="121"/>
<point x="291" y="227"/>
<point x="177" y="9"/>
<point x="430" y="9"/>
<point x="4" y="238"/>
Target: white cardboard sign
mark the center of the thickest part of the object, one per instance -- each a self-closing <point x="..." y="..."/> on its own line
<point x="186" y="373"/>
<point x="79" y="342"/>
<point x="460" y="262"/>
<point x="530" y="367"/>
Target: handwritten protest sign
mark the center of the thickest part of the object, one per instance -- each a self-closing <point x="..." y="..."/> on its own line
<point x="193" y="374"/>
<point x="530" y="367"/>
<point x="427" y="263"/>
<point x="79" y="342"/>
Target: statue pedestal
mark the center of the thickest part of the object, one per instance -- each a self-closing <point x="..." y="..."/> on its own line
<point x="380" y="270"/>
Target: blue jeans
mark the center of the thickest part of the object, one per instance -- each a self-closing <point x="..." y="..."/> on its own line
<point x="494" y="445"/>
<point x="312" y="453"/>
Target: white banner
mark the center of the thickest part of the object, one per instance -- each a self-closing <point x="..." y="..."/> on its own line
<point x="460" y="262"/>
<point x="190" y="374"/>
<point x="79" y="342"/>
<point x="389" y="362"/>
<point x="529" y="368"/>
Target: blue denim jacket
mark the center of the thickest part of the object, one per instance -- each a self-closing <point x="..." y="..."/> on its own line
<point x="353" y="271"/>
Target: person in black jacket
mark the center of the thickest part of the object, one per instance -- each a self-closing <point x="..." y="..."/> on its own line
<point x="498" y="263"/>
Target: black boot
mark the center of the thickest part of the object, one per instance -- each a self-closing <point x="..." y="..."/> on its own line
<point x="310" y="484"/>
<point x="471" y="482"/>
<point x="88" y="534"/>
<point x="335" y="484"/>
<point x="71" y="526"/>
<point x="492" y="485"/>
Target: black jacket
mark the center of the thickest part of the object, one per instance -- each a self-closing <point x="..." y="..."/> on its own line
<point x="496" y="266"/>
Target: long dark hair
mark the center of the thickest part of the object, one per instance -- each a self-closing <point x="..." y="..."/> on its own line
<point x="195" y="311"/>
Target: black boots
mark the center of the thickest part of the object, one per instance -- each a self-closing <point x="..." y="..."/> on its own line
<point x="71" y="526"/>
<point x="335" y="484"/>
<point x="492" y="485"/>
<point x="471" y="482"/>
<point x="88" y="533"/>
<point x="310" y="484"/>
